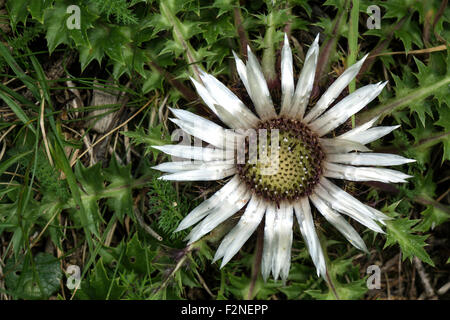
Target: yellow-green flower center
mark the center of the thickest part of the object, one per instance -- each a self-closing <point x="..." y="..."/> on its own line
<point x="290" y="173"/>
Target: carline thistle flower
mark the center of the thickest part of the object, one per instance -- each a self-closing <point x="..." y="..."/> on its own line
<point x="301" y="167"/>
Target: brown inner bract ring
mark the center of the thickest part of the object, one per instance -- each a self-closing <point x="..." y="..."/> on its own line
<point x="296" y="169"/>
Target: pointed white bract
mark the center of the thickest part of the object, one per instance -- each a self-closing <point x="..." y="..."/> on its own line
<point x="345" y="108"/>
<point x="242" y="71"/>
<point x="369" y="159"/>
<point x="236" y="238"/>
<point x="195" y="153"/>
<point x="177" y="166"/>
<point x="259" y="92"/>
<point x="305" y="81"/>
<point x="305" y="221"/>
<point x="339" y="171"/>
<point x="341" y="206"/>
<point x="217" y="200"/>
<point x="287" y="78"/>
<point x="334" y="90"/>
<point x="339" y="223"/>
<point x="341" y="145"/>
<point x="372" y="134"/>
<point x="283" y="241"/>
<point x="204" y="129"/>
<point x="207" y="98"/>
<point x="346" y="157"/>
<point x="208" y="174"/>
<point x="380" y="215"/>
<point x="230" y="205"/>
<point x="358" y="130"/>
<point x="351" y="201"/>
<point x="269" y="242"/>
<point x="230" y="117"/>
<point x="276" y="256"/>
<point x="228" y="100"/>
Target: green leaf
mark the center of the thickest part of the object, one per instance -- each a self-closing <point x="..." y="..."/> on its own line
<point x="55" y="21"/>
<point x="92" y="184"/>
<point x="4" y="165"/>
<point x="38" y="281"/>
<point x="104" y="39"/>
<point x="36" y="8"/>
<point x="17" y="11"/>
<point x="240" y="287"/>
<point x="26" y="79"/>
<point x="99" y="286"/>
<point x="444" y="122"/>
<point x="401" y="232"/>
<point x="432" y="217"/>
<point x="155" y="136"/>
<point x="354" y="287"/>
<point x="138" y="257"/>
<point x="348" y="291"/>
<point x="413" y="89"/>
<point x="119" y="195"/>
<point x="409" y="34"/>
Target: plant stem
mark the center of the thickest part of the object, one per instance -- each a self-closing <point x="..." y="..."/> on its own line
<point x="191" y="55"/>
<point x="401" y="102"/>
<point x="269" y="59"/>
<point x="328" y="47"/>
<point x="238" y="24"/>
<point x="353" y="44"/>
<point x="353" y="39"/>
<point x="256" y="261"/>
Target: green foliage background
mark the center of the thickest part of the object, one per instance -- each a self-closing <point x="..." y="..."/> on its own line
<point x="106" y="217"/>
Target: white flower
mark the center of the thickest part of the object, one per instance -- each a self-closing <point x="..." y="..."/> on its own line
<point x="306" y="160"/>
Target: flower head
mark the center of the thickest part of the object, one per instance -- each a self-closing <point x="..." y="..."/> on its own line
<point x="299" y="170"/>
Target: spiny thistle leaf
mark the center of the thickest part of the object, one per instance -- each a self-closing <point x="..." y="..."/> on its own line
<point x="401" y="231"/>
<point x="100" y="286"/>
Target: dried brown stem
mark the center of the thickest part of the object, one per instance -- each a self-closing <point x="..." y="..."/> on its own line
<point x="429" y="291"/>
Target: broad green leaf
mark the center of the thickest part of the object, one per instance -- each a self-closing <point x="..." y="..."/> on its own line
<point x="38" y="281"/>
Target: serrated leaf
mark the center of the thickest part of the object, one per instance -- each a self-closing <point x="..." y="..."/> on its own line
<point x="17" y="11"/>
<point x="36" y="8"/>
<point x="240" y="287"/>
<point x="409" y="34"/>
<point x="55" y="22"/>
<point x="120" y="200"/>
<point x="348" y="291"/>
<point x="92" y="183"/>
<point x="432" y="217"/>
<point x="138" y="257"/>
<point x="99" y="286"/>
<point x="401" y="232"/>
<point x="155" y="136"/>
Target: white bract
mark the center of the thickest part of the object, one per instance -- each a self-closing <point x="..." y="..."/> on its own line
<point x="346" y="157"/>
